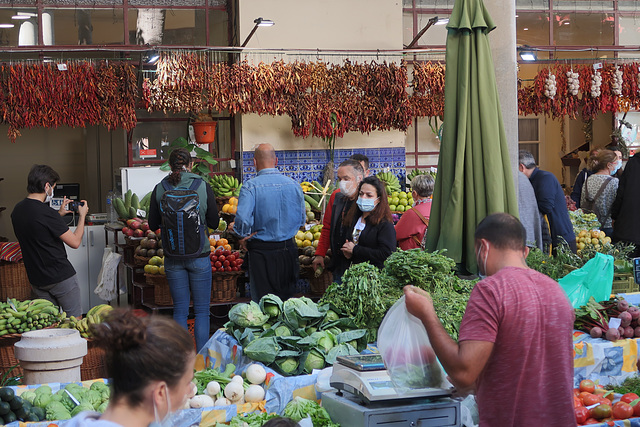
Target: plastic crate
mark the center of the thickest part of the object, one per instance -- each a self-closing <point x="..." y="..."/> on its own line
<point x="624" y="284"/>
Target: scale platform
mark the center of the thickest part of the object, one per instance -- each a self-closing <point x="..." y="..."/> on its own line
<point x="365" y="377"/>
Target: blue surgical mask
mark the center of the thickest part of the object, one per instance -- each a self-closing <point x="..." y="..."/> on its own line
<point x="168" y="419"/>
<point x="366" y="205"/>
<point x="617" y="168"/>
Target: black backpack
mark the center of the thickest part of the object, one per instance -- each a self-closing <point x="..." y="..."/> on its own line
<point x="183" y="232"/>
<point x="590" y="203"/>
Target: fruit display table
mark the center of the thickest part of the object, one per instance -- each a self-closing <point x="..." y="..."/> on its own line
<point x="603" y="361"/>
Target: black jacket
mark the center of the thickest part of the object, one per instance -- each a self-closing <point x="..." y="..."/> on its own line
<point x="375" y="244"/>
<point x="625" y="210"/>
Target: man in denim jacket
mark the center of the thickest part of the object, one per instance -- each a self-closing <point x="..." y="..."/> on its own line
<point x="270" y="213"/>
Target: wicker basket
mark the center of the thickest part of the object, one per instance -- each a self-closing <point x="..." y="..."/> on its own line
<point x="161" y="292"/>
<point x="318" y="285"/>
<point x="133" y="241"/>
<point x="140" y="261"/>
<point x="223" y="286"/>
<point x="221" y="201"/>
<point x="7" y="356"/>
<point x="14" y="282"/>
<point x="93" y="365"/>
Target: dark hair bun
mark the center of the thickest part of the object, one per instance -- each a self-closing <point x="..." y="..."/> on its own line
<point x="121" y="331"/>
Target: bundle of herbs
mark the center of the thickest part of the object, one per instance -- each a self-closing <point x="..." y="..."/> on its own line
<point x="433" y="272"/>
<point x="360" y="297"/>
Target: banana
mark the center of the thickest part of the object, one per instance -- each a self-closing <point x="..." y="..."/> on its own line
<point x="135" y="202"/>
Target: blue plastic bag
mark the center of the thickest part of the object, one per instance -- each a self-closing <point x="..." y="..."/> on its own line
<point x="594" y="279"/>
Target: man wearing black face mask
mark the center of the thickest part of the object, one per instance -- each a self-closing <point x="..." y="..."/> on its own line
<point x="490" y="354"/>
<point x="42" y="232"/>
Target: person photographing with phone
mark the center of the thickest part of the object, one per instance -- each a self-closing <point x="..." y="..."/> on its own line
<point x="42" y="233"/>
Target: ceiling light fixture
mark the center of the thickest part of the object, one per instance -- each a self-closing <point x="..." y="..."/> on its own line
<point x="20" y="17"/>
<point x="260" y="22"/>
<point x="7" y="25"/>
<point x="527" y="54"/>
<point x="150" y="57"/>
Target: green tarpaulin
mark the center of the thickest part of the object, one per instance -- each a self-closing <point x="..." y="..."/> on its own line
<point x="474" y="172"/>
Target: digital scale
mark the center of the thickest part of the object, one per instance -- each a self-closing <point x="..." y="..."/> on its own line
<point x="367" y="397"/>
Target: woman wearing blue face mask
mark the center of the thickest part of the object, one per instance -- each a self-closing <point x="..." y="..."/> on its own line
<point x="150" y="364"/>
<point x="599" y="190"/>
<point x="373" y="237"/>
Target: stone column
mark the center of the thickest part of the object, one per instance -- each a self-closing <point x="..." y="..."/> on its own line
<point x="503" y="49"/>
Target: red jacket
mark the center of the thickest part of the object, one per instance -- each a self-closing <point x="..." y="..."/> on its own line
<point x="410" y="224"/>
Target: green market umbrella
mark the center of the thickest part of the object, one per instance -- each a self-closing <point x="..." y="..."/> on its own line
<point x="474" y="172"/>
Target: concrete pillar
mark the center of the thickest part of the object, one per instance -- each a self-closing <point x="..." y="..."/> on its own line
<point x="503" y="49"/>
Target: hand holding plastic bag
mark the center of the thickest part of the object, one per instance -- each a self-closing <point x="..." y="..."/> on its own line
<point x="405" y="348"/>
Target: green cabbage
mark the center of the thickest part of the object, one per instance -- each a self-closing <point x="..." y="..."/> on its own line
<point x="57" y="411"/>
<point x="247" y="315"/>
<point x="314" y="360"/>
<point x="287" y="365"/>
<point x="272" y="305"/>
<point x="263" y="350"/>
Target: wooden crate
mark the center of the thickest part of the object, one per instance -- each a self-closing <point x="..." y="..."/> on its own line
<point x="624" y="283"/>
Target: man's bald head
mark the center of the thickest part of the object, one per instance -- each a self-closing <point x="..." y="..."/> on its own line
<point x="265" y="156"/>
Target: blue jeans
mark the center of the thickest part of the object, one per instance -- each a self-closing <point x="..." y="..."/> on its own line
<point x="190" y="279"/>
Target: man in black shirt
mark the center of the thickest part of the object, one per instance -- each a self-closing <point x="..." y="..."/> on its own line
<point x="42" y="232"/>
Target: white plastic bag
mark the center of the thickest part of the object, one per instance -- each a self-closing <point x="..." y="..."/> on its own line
<point x="405" y="348"/>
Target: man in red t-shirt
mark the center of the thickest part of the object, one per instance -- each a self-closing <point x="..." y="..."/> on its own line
<point x="515" y="343"/>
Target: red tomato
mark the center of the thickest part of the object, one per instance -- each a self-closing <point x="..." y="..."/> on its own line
<point x="226" y="263"/>
<point x="576" y="392"/>
<point x="604" y="393"/>
<point x="622" y="410"/>
<point x="227" y="252"/>
<point x="636" y="410"/>
<point x="213" y="269"/>
<point x="221" y="258"/>
<point x="227" y="269"/>
<point x="587" y="385"/>
<point x="234" y="268"/>
<point x="629" y="397"/>
<point x="231" y="257"/>
<point x="591" y="421"/>
<point x="218" y="264"/>
<point x="590" y="399"/>
<point x="214" y="258"/>
<point x="605" y="401"/>
<point x="582" y="414"/>
<point x="576" y="401"/>
<point x="239" y="262"/>
<point x="601" y="411"/>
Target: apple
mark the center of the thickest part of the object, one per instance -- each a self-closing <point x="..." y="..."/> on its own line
<point x="213" y="258"/>
<point x="239" y="262"/>
<point x="226" y="263"/>
<point x="213" y="269"/>
<point x="227" y="269"/>
<point x="139" y="233"/>
<point x="144" y="226"/>
<point x="127" y="231"/>
<point x="218" y="264"/>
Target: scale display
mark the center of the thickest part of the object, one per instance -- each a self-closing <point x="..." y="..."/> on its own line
<point x="362" y="362"/>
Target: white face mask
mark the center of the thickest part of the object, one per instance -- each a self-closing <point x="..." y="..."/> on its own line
<point x="347" y="188"/>
<point x="167" y="420"/>
<point x="482" y="273"/>
<point x="49" y="196"/>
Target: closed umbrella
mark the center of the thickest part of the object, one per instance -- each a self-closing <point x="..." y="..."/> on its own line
<point x="474" y="172"/>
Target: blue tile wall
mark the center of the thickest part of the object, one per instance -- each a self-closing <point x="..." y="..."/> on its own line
<point x="307" y="165"/>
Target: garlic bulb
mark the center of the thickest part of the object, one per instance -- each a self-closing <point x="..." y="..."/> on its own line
<point x="573" y="83"/>
<point x="596" y="82"/>
<point x="550" y="86"/>
<point x="616" y="85"/>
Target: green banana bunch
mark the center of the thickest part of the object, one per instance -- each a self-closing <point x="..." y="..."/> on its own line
<point x="94" y="316"/>
<point x="225" y="185"/>
<point x="21" y="316"/>
<point x="391" y="182"/>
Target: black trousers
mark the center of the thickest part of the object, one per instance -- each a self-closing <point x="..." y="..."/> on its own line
<point x="273" y="268"/>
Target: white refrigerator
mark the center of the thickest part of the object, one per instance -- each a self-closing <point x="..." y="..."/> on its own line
<point x="141" y="179"/>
